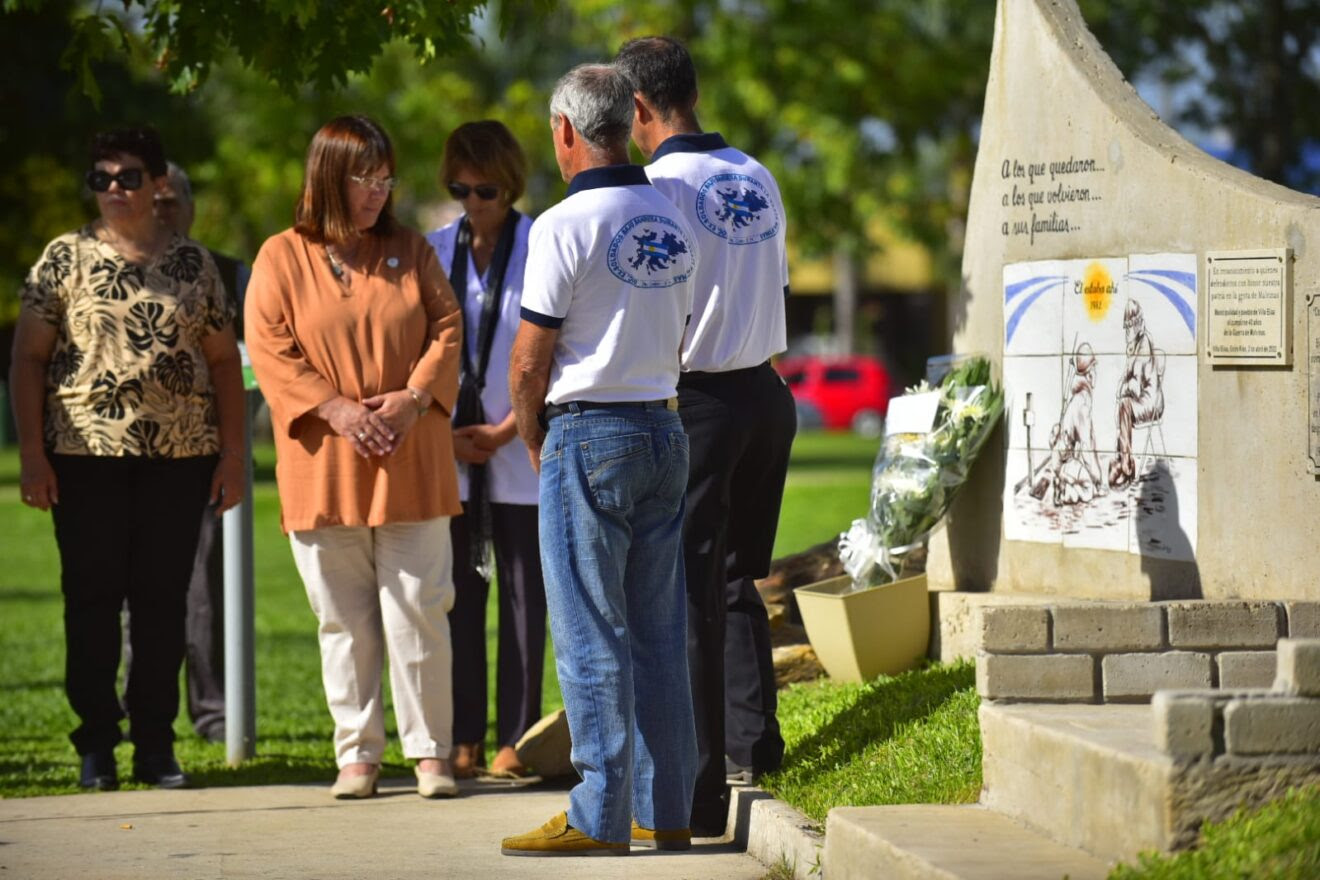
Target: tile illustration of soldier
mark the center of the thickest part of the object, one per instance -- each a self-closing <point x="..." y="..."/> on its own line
<point x="1140" y="393"/>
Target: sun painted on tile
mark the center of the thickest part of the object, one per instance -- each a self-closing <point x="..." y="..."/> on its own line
<point x="1098" y="289"/>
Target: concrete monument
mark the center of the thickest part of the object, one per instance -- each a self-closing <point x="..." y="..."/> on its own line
<point x="1143" y="301"/>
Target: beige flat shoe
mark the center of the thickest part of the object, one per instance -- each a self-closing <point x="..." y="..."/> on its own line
<point x="435" y="785"/>
<point x="356" y="787"/>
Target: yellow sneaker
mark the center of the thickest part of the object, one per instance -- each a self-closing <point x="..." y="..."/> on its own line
<point x="558" y="838"/>
<point x="680" y="838"/>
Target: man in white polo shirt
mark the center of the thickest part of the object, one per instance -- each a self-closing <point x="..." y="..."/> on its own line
<point x="607" y="295"/>
<point x="738" y="413"/>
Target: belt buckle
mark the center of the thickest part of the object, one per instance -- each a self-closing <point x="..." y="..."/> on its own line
<point x="672" y="404"/>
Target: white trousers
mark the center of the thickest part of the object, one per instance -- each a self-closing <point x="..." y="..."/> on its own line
<point x="371" y="588"/>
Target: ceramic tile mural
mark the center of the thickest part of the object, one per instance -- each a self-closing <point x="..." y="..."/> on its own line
<point x="1100" y="395"/>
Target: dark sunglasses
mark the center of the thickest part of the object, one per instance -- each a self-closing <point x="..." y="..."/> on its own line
<point x="485" y="191"/>
<point x="128" y="179"/>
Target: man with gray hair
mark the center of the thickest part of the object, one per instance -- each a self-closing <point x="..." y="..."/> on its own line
<point x="593" y="378"/>
<point x="205" y="628"/>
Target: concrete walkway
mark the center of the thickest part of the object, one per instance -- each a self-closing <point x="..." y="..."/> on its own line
<point x="298" y="831"/>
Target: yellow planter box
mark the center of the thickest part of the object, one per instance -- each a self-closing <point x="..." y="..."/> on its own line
<point x="861" y="634"/>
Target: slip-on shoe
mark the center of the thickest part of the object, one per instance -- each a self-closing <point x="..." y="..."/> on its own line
<point x="159" y="769"/>
<point x="435" y="785"/>
<point x="678" y="839"/>
<point x="356" y="787"/>
<point x="99" y="771"/>
<point x="558" y="838"/>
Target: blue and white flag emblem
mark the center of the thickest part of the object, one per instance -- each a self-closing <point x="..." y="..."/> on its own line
<point x="649" y="251"/>
<point x="737" y="208"/>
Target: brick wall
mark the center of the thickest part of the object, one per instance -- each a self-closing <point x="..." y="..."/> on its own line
<point x="1124" y="652"/>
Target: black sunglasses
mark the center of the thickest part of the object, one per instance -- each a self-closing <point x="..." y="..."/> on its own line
<point x="128" y="179"/>
<point x="485" y="191"/>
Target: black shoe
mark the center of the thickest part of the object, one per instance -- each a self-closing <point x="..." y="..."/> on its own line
<point x="99" y="772"/>
<point x="737" y="774"/>
<point x="709" y="819"/>
<point x="213" y="732"/>
<point x="160" y="770"/>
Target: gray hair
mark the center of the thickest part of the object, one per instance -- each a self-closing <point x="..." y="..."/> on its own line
<point x="598" y="100"/>
<point x="179" y="180"/>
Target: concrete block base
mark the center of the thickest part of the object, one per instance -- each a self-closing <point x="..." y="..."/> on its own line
<point x="945" y="843"/>
<point x="955" y="620"/>
<point x="1093" y="777"/>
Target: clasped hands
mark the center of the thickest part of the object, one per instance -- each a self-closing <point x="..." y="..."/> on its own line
<point x="475" y="444"/>
<point x="374" y="426"/>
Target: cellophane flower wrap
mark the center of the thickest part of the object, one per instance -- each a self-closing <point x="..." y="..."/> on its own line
<point x="916" y="476"/>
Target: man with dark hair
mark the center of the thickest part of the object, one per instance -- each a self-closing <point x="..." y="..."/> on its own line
<point x="205" y="657"/>
<point x="738" y="413"/>
<point x="593" y="374"/>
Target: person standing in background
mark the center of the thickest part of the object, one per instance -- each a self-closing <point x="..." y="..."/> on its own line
<point x="205" y="658"/>
<point x="485" y="255"/>
<point x="128" y="398"/>
<point x="738" y="413"/>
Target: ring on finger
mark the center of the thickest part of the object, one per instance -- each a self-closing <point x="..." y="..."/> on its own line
<point x="362" y="435"/>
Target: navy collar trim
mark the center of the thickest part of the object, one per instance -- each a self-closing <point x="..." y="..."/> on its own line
<point x="690" y="143"/>
<point x="608" y="175"/>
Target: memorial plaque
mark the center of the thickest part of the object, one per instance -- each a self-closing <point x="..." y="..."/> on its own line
<point x="1248" y="298"/>
<point x="1313" y="385"/>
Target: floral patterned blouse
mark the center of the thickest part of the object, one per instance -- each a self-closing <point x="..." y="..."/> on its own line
<point x="127" y="375"/>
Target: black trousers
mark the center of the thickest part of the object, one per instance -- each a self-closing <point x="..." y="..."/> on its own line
<point x="127" y="533"/>
<point x="521" y="652"/>
<point x="205" y="629"/>
<point x="740" y="427"/>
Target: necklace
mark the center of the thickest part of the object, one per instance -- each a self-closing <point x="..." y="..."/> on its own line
<point x="337" y="267"/>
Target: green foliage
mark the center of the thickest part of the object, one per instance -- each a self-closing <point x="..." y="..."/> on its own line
<point x="908" y="739"/>
<point x="293" y="43"/>
<point x="1254" y="68"/>
<point x="862" y="110"/>
<point x="1280" y="841"/>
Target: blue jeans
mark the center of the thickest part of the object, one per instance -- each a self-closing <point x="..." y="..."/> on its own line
<point x="612" y="489"/>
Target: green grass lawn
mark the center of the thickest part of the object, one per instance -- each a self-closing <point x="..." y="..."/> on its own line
<point x="906" y="739"/>
<point x="828" y="486"/>
<point x="1279" y="841"/>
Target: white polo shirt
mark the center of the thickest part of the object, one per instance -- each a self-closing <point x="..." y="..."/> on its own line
<point x="611" y="268"/>
<point x="733" y="203"/>
<point x="509" y="475"/>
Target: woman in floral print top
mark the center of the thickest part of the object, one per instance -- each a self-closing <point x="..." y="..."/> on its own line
<point x="129" y="405"/>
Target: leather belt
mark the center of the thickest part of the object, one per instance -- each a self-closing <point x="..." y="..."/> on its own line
<point x="555" y="410"/>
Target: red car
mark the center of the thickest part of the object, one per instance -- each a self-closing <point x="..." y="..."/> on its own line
<point x="845" y="391"/>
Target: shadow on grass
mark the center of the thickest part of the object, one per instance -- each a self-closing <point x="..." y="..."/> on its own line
<point x="833" y="461"/>
<point x="32" y="685"/>
<point x="51" y="594"/>
<point x="884" y="706"/>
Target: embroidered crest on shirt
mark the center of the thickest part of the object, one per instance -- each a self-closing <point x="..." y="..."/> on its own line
<point x="649" y="251"/>
<point x="737" y="208"/>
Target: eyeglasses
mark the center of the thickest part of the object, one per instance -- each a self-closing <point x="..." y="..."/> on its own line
<point x="128" y="179"/>
<point x="376" y="184"/>
<point x="485" y="191"/>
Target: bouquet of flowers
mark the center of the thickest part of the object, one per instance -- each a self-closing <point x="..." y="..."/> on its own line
<point x="916" y="475"/>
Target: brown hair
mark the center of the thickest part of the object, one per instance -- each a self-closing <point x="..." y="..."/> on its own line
<point x="489" y="149"/>
<point x="343" y="146"/>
